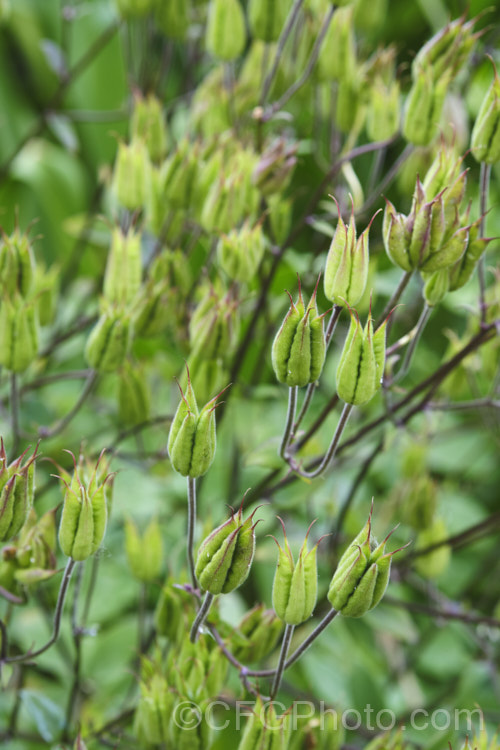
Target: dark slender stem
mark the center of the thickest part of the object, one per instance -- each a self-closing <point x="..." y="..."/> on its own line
<point x="290" y="418"/>
<point x="191" y="491"/>
<point x="484" y="181"/>
<point x="398" y="293"/>
<point x="55" y="378"/>
<point x="309" y="67"/>
<point x="477" y="403"/>
<point x="446" y="614"/>
<point x="285" y="33"/>
<point x="77" y="639"/>
<point x="49" y="432"/>
<point x="14" y="412"/>
<point x="94" y="571"/>
<point x="412" y="346"/>
<point x="200" y="617"/>
<point x="285" y="645"/>
<point x="363" y="471"/>
<point x="57" y="617"/>
<point x="332" y="449"/>
<point x="311" y="388"/>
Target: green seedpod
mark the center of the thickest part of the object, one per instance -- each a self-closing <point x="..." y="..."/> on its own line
<point x="461" y="272"/>
<point x="280" y="217"/>
<point x="180" y="174"/>
<point x="172" y="18"/>
<point x="448" y="49"/>
<point x="148" y="123"/>
<point x="383" y="115"/>
<point x="274" y="170"/>
<point x="266" y="19"/>
<point x="435" y="562"/>
<point x="133" y="395"/>
<point x="256" y="636"/>
<point x="226" y="32"/>
<point x="17" y="264"/>
<point x="214" y="327"/>
<point x="130" y="9"/>
<point x="362" y="574"/>
<point x="46" y="292"/>
<point x="194" y="732"/>
<point x="240" y="252"/>
<point x="396" y="237"/>
<point x="485" y="138"/>
<point x="109" y="341"/>
<point x="361" y="365"/>
<point x="295" y="584"/>
<point x="131" y="175"/>
<point x="225" y="556"/>
<point x="326" y="732"/>
<point x="299" y="349"/>
<point x="144" y="551"/>
<point x="169" y="619"/>
<point x="337" y="57"/>
<point x="265" y="730"/>
<point x="192" y="438"/>
<point x="418" y="500"/>
<point x="85" y="511"/>
<point x="18" y="333"/>
<point x="122" y="278"/>
<point x="436" y="287"/>
<point x="423" y="108"/>
<point x="37" y="542"/>
<point x="346" y="269"/>
<point x="154" y="709"/>
<point x="17" y="488"/>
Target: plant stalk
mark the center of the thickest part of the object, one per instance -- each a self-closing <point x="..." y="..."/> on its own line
<point x="201" y="616"/>
<point x="285" y="645"/>
<point x="191" y="491"/>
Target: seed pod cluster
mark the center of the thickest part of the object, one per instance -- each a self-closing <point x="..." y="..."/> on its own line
<point x="17" y="487"/>
<point x="362" y="575"/>
<point x="299" y="349"/>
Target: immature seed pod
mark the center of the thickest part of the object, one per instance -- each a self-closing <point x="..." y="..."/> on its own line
<point x="133" y="395"/>
<point x="275" y="168"/>
<point x="17" y="487"/>
<point x="109" y="341"/>
<point x="382" y="120"/>
<point x="256" y="636"/>
<point x="298" y="351"/>
<point x="17" y="264"/>
<point x="435" y="562"/>
<point x="36" y="550"/>
<point x="225" y="556"/>
<point x="266" y="19"/>
<point x="240" y="252"/>
<point x="134" y="8"/>
<point x="192" y="439"/>
<point x="169" y="618"/>
<point x="423" y="107"/>
<point x="265" y="729"/>
<point x="362" y="362"/>
<point x="148" y="123"/>
<point x="85" y="512"/>
<point x="226" y="33"/>
<point x="337" y="57"/>
<point x="154" y="709"/>
<point x="326" y="733"/>
<point x="436" y="287"/>
<point x="485" y="139"/>
<point x="346" y="269"/>
<point x="295" y="585"/>
<point x="144" y="552"/>
<point x="172" y="18"/>
<point x="131" y="175"/>
<point x="463" y="269"/>
<point x="122" y="278"/>
<point x="362" y="574"/>
<point x="18" y="333"/>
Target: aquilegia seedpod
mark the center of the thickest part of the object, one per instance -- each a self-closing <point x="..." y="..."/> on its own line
<point x="362" y="574"/>
<point x="225" y="556"/>
<point x="17" y="486"/>
<point x="295" y="583"/>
